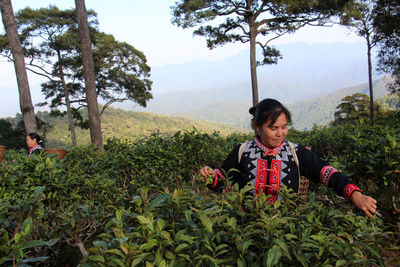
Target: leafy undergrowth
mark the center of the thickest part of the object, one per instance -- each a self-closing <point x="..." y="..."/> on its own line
<point x="137" y="203"/>
<point x="184" y="228"/>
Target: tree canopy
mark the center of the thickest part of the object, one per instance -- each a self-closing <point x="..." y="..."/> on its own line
<point x="359" y="17"/>
<point x="354" y="107"/>
<point x="386" y="24"/>
<point x="244" y="21"/>
<point x="51" y="42"/>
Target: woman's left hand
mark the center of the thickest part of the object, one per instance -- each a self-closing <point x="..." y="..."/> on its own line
<point x="365" y="203"/>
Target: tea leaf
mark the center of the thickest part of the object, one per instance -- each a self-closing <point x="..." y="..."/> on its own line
<point x="180" y="236"/>
<point x="115" y="252"/>
<point x="181" y="247"/>
<point x="282" y="244"/>
<point x="149" y="245"/>
<point x="206" y="222"/>
<point x="117" y="262"/>
<point x="33" y="244"/>
<point x="98" y="258"/>
<point x="274" y="255"/>
<point x="139" y="259"/>
<point x="341" y="263"/>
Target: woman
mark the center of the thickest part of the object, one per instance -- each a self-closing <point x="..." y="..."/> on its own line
<point x="267" y="161"/>
<point x="34" y="143"/>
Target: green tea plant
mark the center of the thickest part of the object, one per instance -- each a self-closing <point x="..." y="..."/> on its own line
<point x="138" y="202"/>
<point x="368" y="152"/>
<point x="181" y="228"/>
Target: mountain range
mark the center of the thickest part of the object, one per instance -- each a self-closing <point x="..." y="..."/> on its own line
<point x="306" y="78"/>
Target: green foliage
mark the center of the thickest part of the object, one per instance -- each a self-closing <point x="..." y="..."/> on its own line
<point x="12" y="131"/>
<point x="121" y="124"/>
<point x="390" y="102"/>
<point x="138" y="202"/>
<point x="369" y="153"/>
<point x="70" y="200"/>
<point x="242" y="21"/>
<point x="51" y="41"/>
<point x="233" y="229"/>
<point x="354" y="107"/>
<point x="10" y="136"/>
<point x="386" y="21"/>
<point x="320" y="110"/>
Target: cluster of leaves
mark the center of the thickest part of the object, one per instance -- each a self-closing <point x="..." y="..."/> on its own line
<point x="71" y="199"/>
<point x="62" y="203"/>
<point x="116" y="205"/>
<point x="184" y="228"/>
<point x="354" y="107"/>
<point x="368" y="153"/>
<point x="167" y="161"/>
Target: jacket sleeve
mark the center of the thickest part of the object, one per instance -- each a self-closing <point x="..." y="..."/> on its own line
<point x="230" y="169"/>
<point x="318" y="170"/>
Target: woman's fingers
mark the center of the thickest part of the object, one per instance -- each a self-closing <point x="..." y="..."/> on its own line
<point x="365" y="203"/>
<point x="369" y="206"/>
<point x="206" y="171"/>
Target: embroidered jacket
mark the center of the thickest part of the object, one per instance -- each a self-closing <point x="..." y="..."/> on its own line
<point x="35" y="150"/>
<point x="267" y="169"/>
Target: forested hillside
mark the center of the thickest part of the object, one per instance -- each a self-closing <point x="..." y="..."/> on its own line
<point x="128" y="124"/>
<point x="318" y="110"/>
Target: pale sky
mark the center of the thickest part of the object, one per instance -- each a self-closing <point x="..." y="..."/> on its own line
<point x="147" y="26"/>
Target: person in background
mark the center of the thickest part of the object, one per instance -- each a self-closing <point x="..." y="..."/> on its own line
<point x="34" y="143"/>
<point x="267" y="162"/>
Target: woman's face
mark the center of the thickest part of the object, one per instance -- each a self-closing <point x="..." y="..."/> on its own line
<point x="31" y="142"/>
<point x="273" y="136"/>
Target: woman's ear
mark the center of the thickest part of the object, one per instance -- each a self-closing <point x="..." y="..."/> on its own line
<point x="257" y="129"/>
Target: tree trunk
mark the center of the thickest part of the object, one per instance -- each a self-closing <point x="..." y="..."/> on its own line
<point x="371" y="93"/>
<point x="253" y="64"/>
<point x="67" y="102"/>
<point x="25" y="100"/>
<point x="88" y="65"/>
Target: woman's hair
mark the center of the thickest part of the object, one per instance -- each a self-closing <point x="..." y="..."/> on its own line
<point x="37" y="137"/>
<point x="268" y="109"/>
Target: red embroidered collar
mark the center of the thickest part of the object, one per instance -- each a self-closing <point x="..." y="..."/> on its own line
<point x="33" y="148"/>
<point x="268" y="151"/>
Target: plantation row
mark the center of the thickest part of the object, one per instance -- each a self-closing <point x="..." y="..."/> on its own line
<point x="139" y="203"/>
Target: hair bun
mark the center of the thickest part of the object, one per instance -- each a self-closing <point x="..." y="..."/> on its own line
<point x="252" y="111"/>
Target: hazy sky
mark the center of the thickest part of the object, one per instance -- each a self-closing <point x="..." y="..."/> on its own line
<point x="147" y="26"/>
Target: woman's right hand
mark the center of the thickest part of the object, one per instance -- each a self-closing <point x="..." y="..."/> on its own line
<point x="207" y="171"/>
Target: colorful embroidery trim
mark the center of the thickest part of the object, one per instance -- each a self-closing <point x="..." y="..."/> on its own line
<point x="349" y="189"/>
<point x="274" y="179"/>
<point x="261" y="182"/>
<point x="218" y="175"/>
<point x="267" y="150"/>
<point x="326" y="174"/>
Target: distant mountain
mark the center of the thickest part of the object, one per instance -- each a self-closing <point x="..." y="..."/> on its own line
<point x="317" y="110"/>
<point x="320" y="110"/>
<point x="220" y="91"/>
<point x="305" y="68"/>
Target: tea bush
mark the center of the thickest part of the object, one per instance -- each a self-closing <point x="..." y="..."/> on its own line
<point x="183" y="228"/>
<point x="368" y="153"/>
<point x="117" y="207"/>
